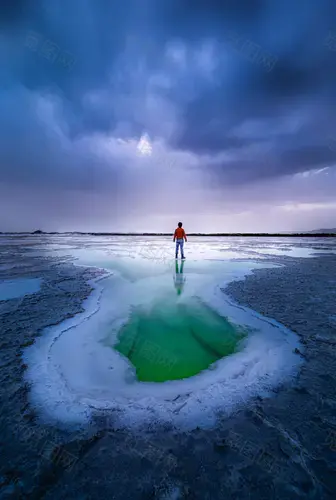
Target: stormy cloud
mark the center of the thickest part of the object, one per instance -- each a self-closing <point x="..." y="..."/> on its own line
<point x="235" y="98"/>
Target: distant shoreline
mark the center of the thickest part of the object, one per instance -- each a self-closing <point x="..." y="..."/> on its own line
<point x="241" y="235"/>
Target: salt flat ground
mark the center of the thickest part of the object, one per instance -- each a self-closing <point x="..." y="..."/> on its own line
<point x="72" y="403"/>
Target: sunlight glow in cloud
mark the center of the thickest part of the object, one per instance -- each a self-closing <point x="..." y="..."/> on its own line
<point x="144" y="146"/>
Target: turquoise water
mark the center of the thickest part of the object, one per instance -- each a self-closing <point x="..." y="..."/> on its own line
<point x="175" y="340"/>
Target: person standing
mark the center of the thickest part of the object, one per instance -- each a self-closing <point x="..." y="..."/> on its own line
<point x="180" y="238"/>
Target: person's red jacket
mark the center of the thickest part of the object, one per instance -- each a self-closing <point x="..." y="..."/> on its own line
<point x="179" y="234"/>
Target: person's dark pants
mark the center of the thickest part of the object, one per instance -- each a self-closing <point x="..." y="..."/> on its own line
<point x="179" y="244"/>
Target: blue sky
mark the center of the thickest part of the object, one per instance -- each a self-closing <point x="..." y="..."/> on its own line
<point x="234" y="101"/>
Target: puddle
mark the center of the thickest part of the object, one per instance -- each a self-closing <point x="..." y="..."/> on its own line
<point x="173" y="340"/>
<point x="12" y="289"/>
<point x="158" y="345"/>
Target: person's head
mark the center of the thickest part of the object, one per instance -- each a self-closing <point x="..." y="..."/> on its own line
<point x="179" y="224"/>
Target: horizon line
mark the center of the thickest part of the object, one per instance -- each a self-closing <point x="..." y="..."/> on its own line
<point x="313" y="233"/>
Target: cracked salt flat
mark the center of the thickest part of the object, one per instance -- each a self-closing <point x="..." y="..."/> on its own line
<point x="73" y="373"/>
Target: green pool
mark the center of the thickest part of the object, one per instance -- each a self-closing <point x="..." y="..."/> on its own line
<point x="175" y="340"/>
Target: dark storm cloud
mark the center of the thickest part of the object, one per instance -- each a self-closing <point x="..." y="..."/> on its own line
<point x="13" y="11"/>
<point x="305" y="70"/>
<point x="244" y="171"/>
<point x="243" y="88"/>
<point x="309" y="156"/>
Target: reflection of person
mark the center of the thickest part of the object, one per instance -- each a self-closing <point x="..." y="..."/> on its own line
<point x="180" y="237"/>
<point x="179" y="279"/>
